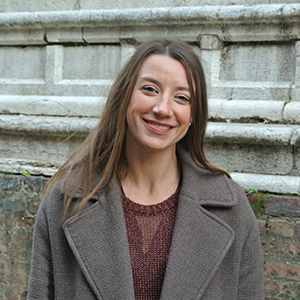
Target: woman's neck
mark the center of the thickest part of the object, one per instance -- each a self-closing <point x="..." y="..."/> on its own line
<point x="150" y="178"/>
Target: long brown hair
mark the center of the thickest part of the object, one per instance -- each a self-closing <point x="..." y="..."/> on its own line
<point x="103" y="149"/>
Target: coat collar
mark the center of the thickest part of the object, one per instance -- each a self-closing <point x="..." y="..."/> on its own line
<point x="200" y="240"/>
<point x="206" y="188"/>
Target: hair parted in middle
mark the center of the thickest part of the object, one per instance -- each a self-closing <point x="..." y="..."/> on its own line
<point x="104" y="146"/>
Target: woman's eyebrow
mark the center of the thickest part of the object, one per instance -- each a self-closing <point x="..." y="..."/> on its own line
<point x="145" y="78"/>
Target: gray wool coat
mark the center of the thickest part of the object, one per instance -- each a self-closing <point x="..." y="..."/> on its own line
<point x="215" y="251"/>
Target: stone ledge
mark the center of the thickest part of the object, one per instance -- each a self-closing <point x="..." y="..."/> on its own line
<point x="33" y="167"/>
<point x="51" y="105"/>
<point x="239" y="109"/>
<point x="242" y="22"/>
<point x="55" y="126"/>
<point x="268" y="183"/>
<point x="238" y="14"/>
<point x="264" y="134"/>
<point x="236" y="133"/>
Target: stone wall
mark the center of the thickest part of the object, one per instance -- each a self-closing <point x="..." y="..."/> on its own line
<point x="278" y="218"/>
<point x="58" y="65"/>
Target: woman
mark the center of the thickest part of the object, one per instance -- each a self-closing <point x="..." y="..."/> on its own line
<point x="138" y="212"/>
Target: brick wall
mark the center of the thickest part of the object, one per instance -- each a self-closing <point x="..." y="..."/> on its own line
<point x="279" y="223"/>
<point x="19" y="201"/>
<point x="280" y="237"/>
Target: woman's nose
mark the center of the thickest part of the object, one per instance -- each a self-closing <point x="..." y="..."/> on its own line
<point x="163" y="106"/>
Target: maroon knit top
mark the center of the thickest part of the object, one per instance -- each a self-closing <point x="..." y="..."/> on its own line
<point x="149" y="231"/>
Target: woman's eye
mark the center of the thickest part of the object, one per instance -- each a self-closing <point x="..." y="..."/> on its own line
<point x="182" y="99"/>
<point x="149" y="89"/>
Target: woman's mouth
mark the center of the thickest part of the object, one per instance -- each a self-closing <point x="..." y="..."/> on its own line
<point x="159" y="126"/>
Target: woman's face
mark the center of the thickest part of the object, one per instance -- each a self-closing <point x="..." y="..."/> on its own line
<point x="159" y="111"/>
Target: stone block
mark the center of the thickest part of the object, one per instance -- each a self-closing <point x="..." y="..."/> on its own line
<point x="211" y="64"/>
<point x="34" y="203"/>
<point x="273" y="63"/>
<point x="210" y="42"/>
<point x="23" y="37"/>
<point x="251" y="90"/>
<point x="295" y="93"/>
<point x="100" y="62"/>
<point x="282" y="270"/>
<point x="291" y="112"/>
<point x="287" y="249"/>
<point x="246" y="109"/>
<point x="69" y="35"/>
<point x="33" y="148"/>
<point x="262" y="226"/>
<point x="297" y="161"/>
<point x="10" y="182"/>
<point x="22" y="64"/>
<point x="251" y="158"/>
<point x="34" y="184"/>
<point x="281" y="228"/>
<point x="54" y="65"/>
<point x="271" y="286"/>
<point x="282" y="206"/>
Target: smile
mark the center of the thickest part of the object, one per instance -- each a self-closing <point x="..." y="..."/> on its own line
<point x="159" y="126"/>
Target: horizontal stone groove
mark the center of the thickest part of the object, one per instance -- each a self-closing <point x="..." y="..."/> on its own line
<point x="271" y="13"/>
<point x="265" y="134"/>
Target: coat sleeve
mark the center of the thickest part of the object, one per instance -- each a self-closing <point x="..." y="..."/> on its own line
<point x="251" y="282"/>
<point x="41" y="275"/>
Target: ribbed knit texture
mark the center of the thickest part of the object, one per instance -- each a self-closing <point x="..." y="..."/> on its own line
<point x="149" y="231"/>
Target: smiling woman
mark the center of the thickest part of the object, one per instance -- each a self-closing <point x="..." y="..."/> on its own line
<point x="138" y="212"/>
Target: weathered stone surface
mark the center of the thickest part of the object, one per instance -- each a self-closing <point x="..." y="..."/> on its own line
<point x="272" y="183"/>
<point x="45" y="125"/>
<point x="251" y="158"/>
<point x="246" y="109"/>
<point x="282" y="206"/>
<point x="263" y="134"/>
<point x="260" y="16"/>
<point x="32" y="60"/>
<point x="291" y="112"/>
<point x="35" y="5"/>
<point x="238" y="61"/>
<point x="51" y="105"/>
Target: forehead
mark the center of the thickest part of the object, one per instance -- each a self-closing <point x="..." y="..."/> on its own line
<point x="163" y="66"/>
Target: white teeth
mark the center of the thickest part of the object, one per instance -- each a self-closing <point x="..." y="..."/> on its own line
<point x="161" y="127"/>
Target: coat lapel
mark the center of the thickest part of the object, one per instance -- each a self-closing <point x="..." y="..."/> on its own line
<point x="200" y="242"/>
<point x="200" y="239"/>
<point x="98" y="240"/>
